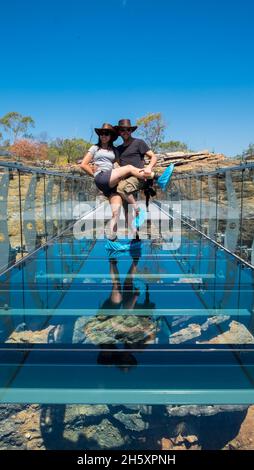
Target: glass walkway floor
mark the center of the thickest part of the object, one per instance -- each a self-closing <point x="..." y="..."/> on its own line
<point x="79" y="324"/>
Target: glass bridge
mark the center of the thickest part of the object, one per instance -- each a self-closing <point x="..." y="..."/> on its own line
<point x="154" y="325"/>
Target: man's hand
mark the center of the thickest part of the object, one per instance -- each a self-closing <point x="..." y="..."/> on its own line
<point x="147" y="171"/>
<point x="142" y="174"/>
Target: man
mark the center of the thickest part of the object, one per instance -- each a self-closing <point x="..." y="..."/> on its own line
<point x="132" y="151"/>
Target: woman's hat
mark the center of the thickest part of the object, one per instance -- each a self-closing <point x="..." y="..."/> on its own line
<point x="126" y="123"/>
<point x="107" y="127"/>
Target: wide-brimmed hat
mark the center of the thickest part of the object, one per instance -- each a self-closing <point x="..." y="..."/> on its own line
<point x="107" y="127"/>
<point x="126" y="123"/>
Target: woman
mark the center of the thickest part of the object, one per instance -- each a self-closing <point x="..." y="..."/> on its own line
<point x="103" y="155"/>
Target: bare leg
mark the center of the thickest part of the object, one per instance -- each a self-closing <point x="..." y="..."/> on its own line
<point x="131" y="200"/>
<point x="118" y="174"/>
<point x="130" y="301"/>
<point x="129" y="203"/>
<point x="116" y="203"/>
<point x="116" y="295"/>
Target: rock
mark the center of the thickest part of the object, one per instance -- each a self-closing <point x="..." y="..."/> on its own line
<point x="214" y="321"/>
<point x="34" y="444"/>
<point x="105" y="435"/>
<point x="192" y="161"/>
<point x="131" y="421"/>
<point x="202" y="410"/>
<point x="29" y="336"/>
<point x="237" y="334"/>
<point x="192" y="331"/>
<point x="191" y="439"/>
<point x="79" y="329"/>
<point x="245" y="437"/>
<point x="179" y="439"/>
<point x="142" y="409"/>
<point x="9" y="411"/>
<point x="75" y="414"/>
<point x="180" y="447"/>
<point x="6" y="430"/>
<point x="166" y="444"/>
<point x="119" y="329"/>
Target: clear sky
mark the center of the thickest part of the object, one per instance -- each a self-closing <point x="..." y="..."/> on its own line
<point x="75" y="64"/>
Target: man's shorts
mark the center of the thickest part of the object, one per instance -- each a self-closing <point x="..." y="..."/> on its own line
<point x="129" y="185"/>
<point x="102" y="182"/>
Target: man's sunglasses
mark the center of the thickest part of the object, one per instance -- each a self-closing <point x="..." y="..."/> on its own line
<point x="125" y="129"/>
<point x="107" y="133"/>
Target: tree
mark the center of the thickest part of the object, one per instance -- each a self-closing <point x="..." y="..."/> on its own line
<point x="29" y="150"/>
<point x="15" y="124"/>
<point x="173" y="146"/>
<point x="72" y="149"/>
<point x="248" y="154"/>
<point x="151" y="129"/>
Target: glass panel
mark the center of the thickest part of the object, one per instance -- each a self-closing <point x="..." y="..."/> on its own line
<point x="247" y="221"/>
<point x="56" y="204"/>
<point x="222" y="207"/>
<point x="195" y="200"/>
<point x="204" y="208"/>
<point x="10" y="225"/>
<point x="233" y="230"/>
<point x="40" y="219"/>
<point x="49" y="188"/>
<point x="60" y="208"/>
<point x="212" y="189"/>
<point x="76" y="199"/>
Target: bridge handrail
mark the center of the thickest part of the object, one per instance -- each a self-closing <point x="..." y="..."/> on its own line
<point x="241" y="167"/>
<point x="42" y="170"/>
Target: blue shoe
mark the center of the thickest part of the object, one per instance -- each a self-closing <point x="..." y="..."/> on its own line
<point x="164" y="179"/>
<point x="139" y="219"/>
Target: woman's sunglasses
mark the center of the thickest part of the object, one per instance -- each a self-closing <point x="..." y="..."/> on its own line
<point x="107" y="133"/>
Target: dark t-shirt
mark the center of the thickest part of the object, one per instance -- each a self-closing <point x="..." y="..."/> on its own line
<point x="133" y="153"/>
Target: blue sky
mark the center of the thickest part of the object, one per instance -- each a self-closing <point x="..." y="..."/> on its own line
<point x="72" y="65"/>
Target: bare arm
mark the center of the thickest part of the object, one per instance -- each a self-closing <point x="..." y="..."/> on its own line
<point x="84" y="165"/>
<point x="152" y="163"/>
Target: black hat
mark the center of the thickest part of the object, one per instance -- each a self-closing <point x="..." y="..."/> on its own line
<point x="107" y="127"/>
<point x="125" y="123"/>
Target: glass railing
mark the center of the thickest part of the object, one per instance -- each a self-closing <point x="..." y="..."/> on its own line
<point x="36" y="205"/>
<point x="221" y="205"/>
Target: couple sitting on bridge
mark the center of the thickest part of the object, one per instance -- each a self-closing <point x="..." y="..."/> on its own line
<point x="119" y="172"/>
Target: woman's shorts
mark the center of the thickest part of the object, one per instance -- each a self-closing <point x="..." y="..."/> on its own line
<point x="102" y="182"/>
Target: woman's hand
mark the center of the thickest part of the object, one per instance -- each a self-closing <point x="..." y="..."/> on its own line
<point x="94" y="168"/>
<point x="86" y="164"/>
